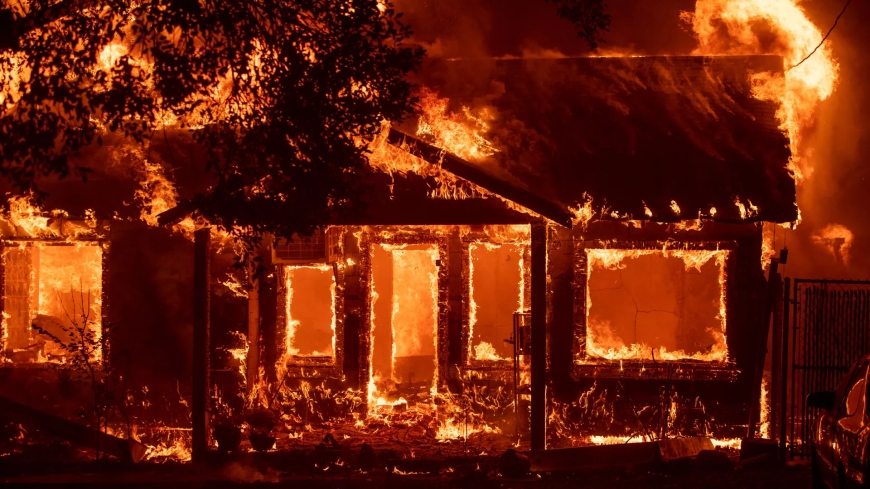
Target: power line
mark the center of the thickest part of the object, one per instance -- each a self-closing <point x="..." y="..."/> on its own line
<point x="826" y="35"/>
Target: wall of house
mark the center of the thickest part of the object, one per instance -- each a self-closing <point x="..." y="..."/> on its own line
<point x="714" y="404"/>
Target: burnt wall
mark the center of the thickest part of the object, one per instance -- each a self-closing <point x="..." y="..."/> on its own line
<point x="150" y="295"/>
<point x="724" y="404"/>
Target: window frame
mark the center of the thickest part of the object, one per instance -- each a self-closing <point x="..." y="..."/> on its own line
<point x="23" y="241"/>
<point x="586" y="366"/>
<point x="467" y="360"/>
<point x="410" y="235"/>
<point x="337" y="358"/>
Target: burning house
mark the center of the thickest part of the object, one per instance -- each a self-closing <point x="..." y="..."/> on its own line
<point x="568" y="247"/>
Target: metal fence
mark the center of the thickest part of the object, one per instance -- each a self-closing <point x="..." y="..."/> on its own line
<point x="830" y="329"/>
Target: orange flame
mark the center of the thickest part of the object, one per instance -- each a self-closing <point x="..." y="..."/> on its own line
<point x="780" y="27"/>
<point x="600" y="341"/>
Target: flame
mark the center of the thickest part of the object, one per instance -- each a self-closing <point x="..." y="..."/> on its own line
<point x="584" y="213"/>
<point x="600" y="341"/>
<point x="485" y="351"/>
<point x="63" y="283"/>
<point x="461" y="135"/>
<point x="837" y="240"/>
<point x="410" y="326"/>
<point x="764" y="409"/>
<point x="236" y="287"/>
<point x="730" y="443"/>
<point x="780" y="27"/>
<point x="157" y="195"/>
<point x="292" y="325"/>
<point x="767" y="244"/>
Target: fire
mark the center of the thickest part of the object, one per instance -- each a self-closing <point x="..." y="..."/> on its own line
<point x="53" y="281"/>
<point x="414" y="311"/>
<point x="730" y="443"/>
<point x="837" y="240"/>
<point x="601" y="342"/>
<point x="764" y="411"/>
<point x="157" y="195"/>
<point x="413" y="321"/>
<point x="485" y="351"/>
<point x="290" y="347"/>
<point x="781" y="27"/>
<point x="767" y="244"/>
<point x="584" y="213"/>
<point x="461" y="135"/>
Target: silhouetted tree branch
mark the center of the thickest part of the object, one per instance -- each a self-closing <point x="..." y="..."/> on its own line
<point x="589" y="18"/>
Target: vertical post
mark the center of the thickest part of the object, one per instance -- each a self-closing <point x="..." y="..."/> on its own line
<point x="783" y="390"/>
<point x="775" y="364"/>
<point x="539" y="336"/>
<point x="253" y="360"/>
<point x="201" y="325"/>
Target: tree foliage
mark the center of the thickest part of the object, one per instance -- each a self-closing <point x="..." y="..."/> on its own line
<point x="589" y="18"/>
<point x="281" y="95"/>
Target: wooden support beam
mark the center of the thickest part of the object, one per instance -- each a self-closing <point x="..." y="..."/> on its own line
<point x="539" y="336"/>
<point x="252" y="363"/>
<point x="33" y="419"/>
<point x="201" y="340"/>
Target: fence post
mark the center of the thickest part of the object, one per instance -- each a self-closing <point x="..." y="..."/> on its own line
<point x="783" y="389"/>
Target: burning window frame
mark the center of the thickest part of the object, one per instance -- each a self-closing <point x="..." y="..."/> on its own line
<point x="587" y="366"/>
<point x="61" y="231"/>
<point x="406" y="235"/>
<point x="333" y="363"/>
<point x="517" y="235"/>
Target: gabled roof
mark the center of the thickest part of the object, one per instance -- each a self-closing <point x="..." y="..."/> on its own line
<point x="626" y="132"/>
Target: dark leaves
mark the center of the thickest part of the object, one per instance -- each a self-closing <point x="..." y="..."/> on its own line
<point x="589" y="18"/>
<point x="278" y="93"/>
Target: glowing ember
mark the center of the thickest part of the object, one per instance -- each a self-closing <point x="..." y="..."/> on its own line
<point x="729" y="443"/>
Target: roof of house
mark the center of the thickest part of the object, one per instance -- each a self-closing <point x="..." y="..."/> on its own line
<point x="631" y="133"/>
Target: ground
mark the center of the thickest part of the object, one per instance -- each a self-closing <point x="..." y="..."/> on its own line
<point x="242" y="473"/>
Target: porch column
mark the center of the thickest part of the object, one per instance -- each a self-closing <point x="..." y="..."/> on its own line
<point x="201" y="343"/>
<point x="253" y="360"/>
<point x="539" y="336"/>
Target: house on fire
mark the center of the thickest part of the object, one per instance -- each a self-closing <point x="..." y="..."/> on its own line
<point x="550" y="226"/>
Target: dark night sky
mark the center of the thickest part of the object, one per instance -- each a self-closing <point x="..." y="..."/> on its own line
<point x="837" y="190"/>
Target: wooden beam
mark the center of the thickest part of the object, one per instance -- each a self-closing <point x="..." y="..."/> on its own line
<point x="539" y="336"/>
<point x="201" y="341"/>
<point x="128" y="450"/>
<point x="475" y="175"/>
<point x="252" y="365"/>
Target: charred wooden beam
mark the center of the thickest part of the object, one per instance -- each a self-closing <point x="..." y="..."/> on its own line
<point x="201" y="325"/>
<point x="252" y="367"/>
<point x="33" y="419"/>
<point x="623" y="455"/>
<point x="176" y="214"/>
<point x="470" y="172"/>
<point x="539" y="336"/>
